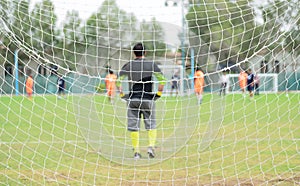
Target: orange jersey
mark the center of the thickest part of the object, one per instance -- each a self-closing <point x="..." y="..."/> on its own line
<point x="29" y="85"/>
<point x="199" y="81"/>
<point x="243" y="79"/>
<point x="110" y="82"/>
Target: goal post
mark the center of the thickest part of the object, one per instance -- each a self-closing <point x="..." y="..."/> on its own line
<point x="268" y="83"/>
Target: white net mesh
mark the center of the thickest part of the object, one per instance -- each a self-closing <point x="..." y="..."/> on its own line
<point x="267" y="83"/>
<point x="76" y="135"/>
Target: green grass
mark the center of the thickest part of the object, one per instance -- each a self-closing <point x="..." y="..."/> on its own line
<point x="45" y="142"/>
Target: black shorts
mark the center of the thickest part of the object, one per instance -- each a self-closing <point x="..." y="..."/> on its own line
<point x="250" y="88"/>
<point x="61" y="90"/>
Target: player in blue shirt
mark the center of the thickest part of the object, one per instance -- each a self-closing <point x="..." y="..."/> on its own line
<point x="61" y="86"/>
<point x="250" y="82"/>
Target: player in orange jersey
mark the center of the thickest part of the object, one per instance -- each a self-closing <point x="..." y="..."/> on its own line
<point x="29" y="86"/>
<point x="243" y="81"/>
<point x="110" y="82"/>
<point x="199" y="84"/>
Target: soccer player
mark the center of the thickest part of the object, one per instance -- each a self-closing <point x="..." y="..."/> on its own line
<point x="174" y="83"/>
<point x="29" y="86"/>
<point x="224" y="81"/>
<point x="250" y="82"/>
<point x="141" y="99"/>
<point x="243" y="81"/>
<point x="256" y="84"/>
<point x="110" y="82"/>
<point x="61" y="86"/>
<point x="199" y="84"/>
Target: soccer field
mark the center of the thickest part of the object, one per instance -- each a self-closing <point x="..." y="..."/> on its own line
<point x="257" y="141"/>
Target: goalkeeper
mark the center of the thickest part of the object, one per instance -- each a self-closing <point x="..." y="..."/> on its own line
<point x="141" y="99"/>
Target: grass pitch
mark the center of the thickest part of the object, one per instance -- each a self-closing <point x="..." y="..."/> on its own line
<point x="252" y="142"/>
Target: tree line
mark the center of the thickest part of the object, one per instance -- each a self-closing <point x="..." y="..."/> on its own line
<point x="109" y="28"/>
<point x="226" y="29"/>
<point x="230" y="30"/>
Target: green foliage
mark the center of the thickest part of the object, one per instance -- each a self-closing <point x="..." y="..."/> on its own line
<point x="109" y="26"/>
<point x="20" y="26"/>
<point x="281" y="19"/>
<point x="226" y="28"/>
<point x="4" y="9"/>
<point x="34" y="29"/>
<point x="108" y="29"/>
<point x="43" y="27"/>
<point x="152" y="35"/>
<point x="231" y="32"/>
<point x="72" y="40"/>
<point x="16" y="17"/>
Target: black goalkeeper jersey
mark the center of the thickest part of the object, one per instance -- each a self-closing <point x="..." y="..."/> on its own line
<point x="140" y="76"/>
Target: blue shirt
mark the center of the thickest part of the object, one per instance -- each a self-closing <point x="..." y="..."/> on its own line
<point x="250" y="79"/>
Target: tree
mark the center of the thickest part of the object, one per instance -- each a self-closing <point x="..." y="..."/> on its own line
<point x="5" y="9"/>
<point x="16" y="18"/>
<point x="72" y="39"/>
<point x="4" y="12"/>
<point x="152" y="35"/>
<point x="110" y="26"/>
<point x="107" y="33"/>
<point x="282" y="20"/>
<point x="21" y="23"/>
<point x="292" y="39"/>
<point x="225" y="28"/>
<point x="43" y="27"/>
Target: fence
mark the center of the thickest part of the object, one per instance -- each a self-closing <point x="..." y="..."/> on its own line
<point x="86" y="84"/>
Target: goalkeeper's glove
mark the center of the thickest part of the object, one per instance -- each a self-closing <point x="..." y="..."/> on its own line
<point x="124" y="96"/>
<point x="158" y="95"/>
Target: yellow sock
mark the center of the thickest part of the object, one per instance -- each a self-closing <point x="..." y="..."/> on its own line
<point x="135" y="141"/>
<point x="152" y="137"/>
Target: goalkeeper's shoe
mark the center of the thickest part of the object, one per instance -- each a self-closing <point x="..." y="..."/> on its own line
<point x="137" y="156"/>
<point x="151" y="153"/>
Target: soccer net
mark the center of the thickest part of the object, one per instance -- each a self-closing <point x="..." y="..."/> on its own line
<point x="59" y="125"/>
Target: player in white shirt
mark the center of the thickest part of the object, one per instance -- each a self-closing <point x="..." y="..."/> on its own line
<point x="224" y="79"/>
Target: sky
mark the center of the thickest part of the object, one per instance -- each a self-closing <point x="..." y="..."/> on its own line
<point x="169" y="16"/>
